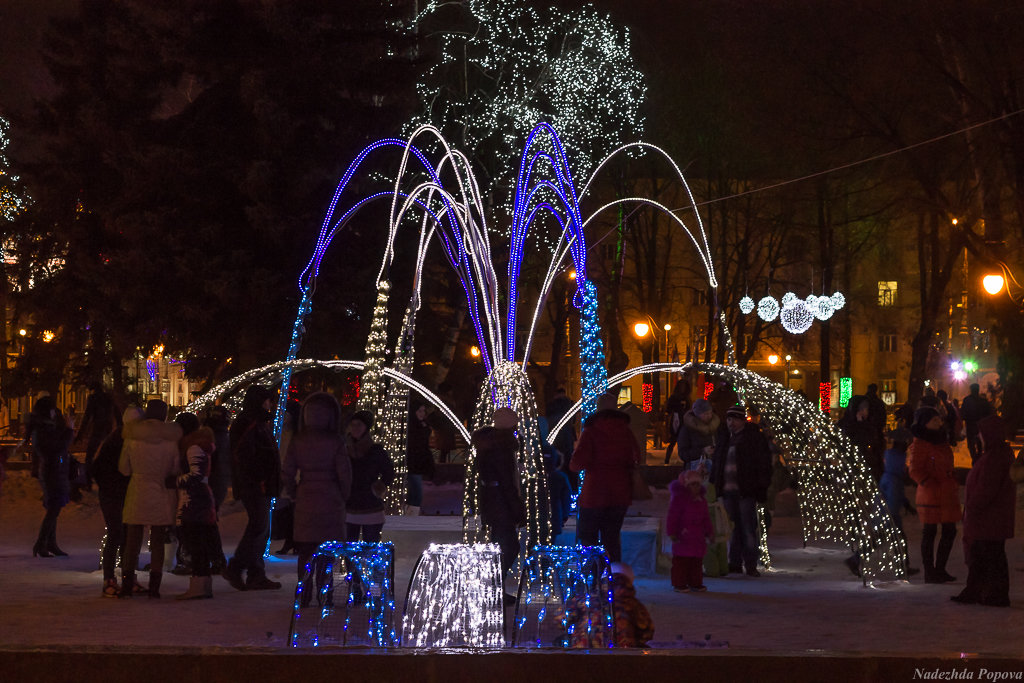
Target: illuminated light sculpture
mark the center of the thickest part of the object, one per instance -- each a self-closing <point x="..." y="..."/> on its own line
<point x="825" y="396"/>
<point x="395" y="428"/>
<point x="845" y="391"/>
<point x="346" y="597"/>
<point x="768" y="309"/>
<point x="647" y="389"/>
<point x="455" y="598"/>
<point x="565" y="598"/>
<point x="795" y="317"/>
<point x="746" y="305"/>
<point x="788" y="298"/>
<point x="823" y="308"/>
<point x="376" y="356"/>
<point x="509" y="386"/>
<point x="839" y="500"/>
<point x="838" y="300"/>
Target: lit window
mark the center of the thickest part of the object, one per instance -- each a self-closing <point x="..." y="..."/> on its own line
<point x="886" y="293"/>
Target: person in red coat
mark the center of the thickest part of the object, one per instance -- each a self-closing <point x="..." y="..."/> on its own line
<point x="606" y="453"/>
<point x="988" y="518"/>
<point x="688" y="524"/>
<point x="931" y="466"/>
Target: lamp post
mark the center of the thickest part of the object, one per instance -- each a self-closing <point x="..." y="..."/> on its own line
<point x="994" y="283"/>
<point x="641" y="330"/>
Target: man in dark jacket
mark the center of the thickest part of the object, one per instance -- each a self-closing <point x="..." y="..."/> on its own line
<point x="972" y="410"/>
<point x="741" y="473"/>
<point x="256" y="479"/>
<point x="607" y="453"/>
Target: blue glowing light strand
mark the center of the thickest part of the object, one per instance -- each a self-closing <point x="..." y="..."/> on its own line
<point x="520" y="223"/>
<point x="593" y="373"/>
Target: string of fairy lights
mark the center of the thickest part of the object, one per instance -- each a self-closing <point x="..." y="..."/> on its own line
<point x="455" y="598"/>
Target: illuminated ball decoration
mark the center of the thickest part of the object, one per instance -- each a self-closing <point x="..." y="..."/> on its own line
<point x="795" y="317"/>
<point x="823" y="308"/>
<point x="838" y="300"/>
<point x="746" y="305"/>
<point x="788" y="298"/>
<point x="768" y="309"/>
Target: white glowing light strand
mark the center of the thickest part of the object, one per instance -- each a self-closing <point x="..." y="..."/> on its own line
<point x="394" y="437"/>
<point x="704" y="252"/>
<point x="509" y="386"/>
<point x="372" y="388"/>
<point x="455" y="598"/>
<point x="274" y="370"/>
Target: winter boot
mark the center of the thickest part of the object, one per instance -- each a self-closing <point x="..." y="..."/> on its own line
<point x="198" y="587"/>
<point x="941" y="557"/>
<point x="154" y="584"/>
<point x="127" y="585"/>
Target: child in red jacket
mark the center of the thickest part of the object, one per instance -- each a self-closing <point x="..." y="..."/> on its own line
<point x="689" y="526"/>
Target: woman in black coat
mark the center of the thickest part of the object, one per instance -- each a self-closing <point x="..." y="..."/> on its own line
<point x="50" y="437"/>
<point x="419" y="461"/>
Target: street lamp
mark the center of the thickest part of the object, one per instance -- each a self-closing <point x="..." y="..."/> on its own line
<point x="641" y="330"/>
<point x="993" y="283"/>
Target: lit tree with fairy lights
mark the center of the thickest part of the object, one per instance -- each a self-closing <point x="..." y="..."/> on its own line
<point x="12" y="200"/>
<point x="502" y="67"/>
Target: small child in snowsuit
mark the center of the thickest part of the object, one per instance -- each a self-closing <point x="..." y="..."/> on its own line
<point x="689" y="526"/>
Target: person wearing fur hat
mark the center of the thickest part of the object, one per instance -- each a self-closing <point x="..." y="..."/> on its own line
<point x="688" y="524"/>
<point x="318" y="476"/>
<point x="931" y="466"/>
<point x="500" y="499"/>
<point x="149" y="456"/>
<point x="741" y="473"/>
<point x="990" y="498"/>
<point x="696" y="435"/>
<point x="197" y="512"/>
<point x="255" y="480"/>
<point x="372" y="473"/>
<point x="607" y="453"/>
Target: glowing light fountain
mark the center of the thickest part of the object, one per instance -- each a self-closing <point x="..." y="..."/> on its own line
<point x="451" y="215"/>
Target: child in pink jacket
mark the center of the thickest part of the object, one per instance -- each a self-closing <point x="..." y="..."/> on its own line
<point x="689" y="527"/>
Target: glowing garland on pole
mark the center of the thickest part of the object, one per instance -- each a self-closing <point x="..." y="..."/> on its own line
<point x="593" y="373"/>
<point x="508" y="386"/>
<point x="372" y="396"/>
<point x="395" y="420"/>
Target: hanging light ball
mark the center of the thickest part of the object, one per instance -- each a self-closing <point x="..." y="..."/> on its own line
<point x="746" y="305"/>
<point x="788" y="298"/>
<point x="812" y="302"/>
<point x="796" y="318"/>
<point x="838" y="300"/>
<point x="823" y="308"/>
<point x="768" y="309"/>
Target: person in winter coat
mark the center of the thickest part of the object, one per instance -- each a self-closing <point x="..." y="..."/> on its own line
<point x="678" y="404"/>
<point x="500" y="499"/>
<point x="149" y="456"/>
<point x="741" y="473"/>
<point x="931" y="466"/>
<point x="419" y="461"/>
<point x="111" y="488"/>
<point x="606" y="453"/>
<point x="688" y="524"/>
<point x="858" y="426"/>
<point x="255" y="479"/>
<point x="372" y="473"/>
<point x="197" y="511"/>
<point x="972" y="410"/>
<point x="633" y="624"/>
<point x="50" y="437"/>
<point x="317" y="476"/>
<point x="219" y="422"/>
<point x="99" y="420"/>
<point x="989" y="509"/>
<point x="697" y="434"/>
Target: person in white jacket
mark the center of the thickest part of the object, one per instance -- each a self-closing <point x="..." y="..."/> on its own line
<point x="149" y="456"/>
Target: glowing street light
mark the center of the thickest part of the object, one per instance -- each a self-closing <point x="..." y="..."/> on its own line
<point x="641" y="329"/>
<point x="48" y="336"/>
<point x="773" y="359"/>
<point x="474" y="351"/>
<point x="993" y="283"/>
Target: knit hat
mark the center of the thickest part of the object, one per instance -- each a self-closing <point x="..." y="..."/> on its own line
<point x="701" y="406"/>
<point x="923" y="415"/>
<point x="738" y="412"/>
<point x="505" y="418"/>
<point x="366" y="417"/>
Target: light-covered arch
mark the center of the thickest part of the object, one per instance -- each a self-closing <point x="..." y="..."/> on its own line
<point x="274" y="371"/>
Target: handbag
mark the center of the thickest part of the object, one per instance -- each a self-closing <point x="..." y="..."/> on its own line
<point x="640" y="489"/>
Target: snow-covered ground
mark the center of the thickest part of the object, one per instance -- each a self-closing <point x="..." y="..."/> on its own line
<point x="809" y="602"/>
